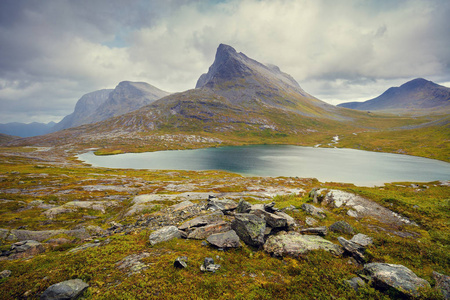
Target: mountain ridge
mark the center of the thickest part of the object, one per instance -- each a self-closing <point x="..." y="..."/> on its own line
<point x="414" y="95"/>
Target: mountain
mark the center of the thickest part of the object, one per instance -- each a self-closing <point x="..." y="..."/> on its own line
<point x="126" y="97"/>
<point x="415" y="95"/>
<point x="103" y="104"/>
<point x="237" y="99"/>
<point x="85" y="107"/>
<point x="26" y="130"/>
<point x="244" y="81"/>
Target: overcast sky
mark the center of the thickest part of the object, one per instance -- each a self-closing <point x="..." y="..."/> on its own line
<point x="54" y="51"/>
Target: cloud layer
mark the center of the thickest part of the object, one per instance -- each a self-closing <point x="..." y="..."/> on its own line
<point x="53" y="52"/>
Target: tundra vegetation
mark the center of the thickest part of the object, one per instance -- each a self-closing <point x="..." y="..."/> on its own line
<point x="43" y="190"/>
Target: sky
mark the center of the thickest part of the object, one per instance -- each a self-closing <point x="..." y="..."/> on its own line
<point x="54" y="51"/>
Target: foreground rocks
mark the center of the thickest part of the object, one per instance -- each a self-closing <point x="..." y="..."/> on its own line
<point x="250" y="228"/>
<point x="395" y="278"/>
<point x="295" y="244"/>
<point x="227" y="239"/>
<point x="164" y="234"/>
<point x="66" y="290"/>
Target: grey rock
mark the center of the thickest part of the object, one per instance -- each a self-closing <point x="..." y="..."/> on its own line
<point x="201" y="221"/>
<point x="296" y="244"/>
<point x="243" y="207"/>
<point x="442" y="284"/>
<point x="25" y="249"/>
<point x="270" y="207"/>
<point x="311" y="221"/>
<point x="250" y="228"/>
<point x="291" y="224"/>
<point x="317" y="195"/>
<point x="355" y="283"/>
<point x="164" y="234"/>
<point x="322" y="230"/>
<point x="396" y="278"/>
<point x="133" y="263"/>
<point x="201" y="233"/>
<point x="356" y="250"/>
<point x="5" y="274"/>
<point x="224" y="205"/>
<point x="341" y="227"/>
<point x="45" y="234"/>
<point x="209" y="266"/>
<point x="183" y="205"/>
<point x="84" y="247"/>
<point x="227" y="239"/>
<point x="271" y="219"/>
<point x="362" y="239"/>
<point x="180" y="262"/>
<point x="314" y="211"/>
<point x="361" y="207"/>
<point x="65" y="290"/>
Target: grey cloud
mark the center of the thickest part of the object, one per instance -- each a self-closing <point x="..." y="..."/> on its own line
<point x="55" y="51"/>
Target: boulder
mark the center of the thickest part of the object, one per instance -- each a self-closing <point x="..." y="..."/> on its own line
<point x="442" y="284"/>
<point x="69" y="289"/>
<point x="25" y="249"/>
<point x="183" y="205"/>
<point x="224" y="205"/>
<point x="356" y="250"/>
<point x="297" y="244"/>
<point x="397" y="279"/>
<point x="227" y="239"/>
<point x="19" y="234"/>
<point x="164" y="234"/>
<point x="250" y="228"/>
<point x="314" y="211"/>
<point x="291" y="224"/>
<point x="317" y="195"/>
<point x="201" y="221"/>
<point x="362" y="239"/>
<point x="315" y="231"/>
<point x="341" y="227"/>
<point x="243" y="207"/>
<point x="201" y="233"/>
<point x="271" y="219"/>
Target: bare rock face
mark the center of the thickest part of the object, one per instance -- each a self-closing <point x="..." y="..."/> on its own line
<point x="227" y="239"/>
<point x="164" y="234"/>
<point x="250" y="229"/>
<point x="396" y="278"/>
<point x="67" y="290"/>
<point x="296" y="244"/>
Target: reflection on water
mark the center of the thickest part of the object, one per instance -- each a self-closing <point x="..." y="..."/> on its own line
<point x="325" y="164"/>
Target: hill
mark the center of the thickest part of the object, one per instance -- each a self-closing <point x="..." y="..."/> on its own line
<point x="418" y="95"/>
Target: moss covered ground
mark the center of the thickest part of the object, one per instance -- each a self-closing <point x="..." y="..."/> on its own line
<point x="245" y="273"/>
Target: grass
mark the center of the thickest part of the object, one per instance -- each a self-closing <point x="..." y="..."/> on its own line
<point x="245" y="273"/>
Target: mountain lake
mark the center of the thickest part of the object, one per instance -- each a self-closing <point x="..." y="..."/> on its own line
<point x="359" y="167"/>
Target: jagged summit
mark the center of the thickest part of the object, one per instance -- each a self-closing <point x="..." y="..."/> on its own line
<point x="242" y="80"/>
<point x="417" y="94"/>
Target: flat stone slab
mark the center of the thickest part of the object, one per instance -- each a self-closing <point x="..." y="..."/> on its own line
<point x="360" y="207"/>
<point x="41" y="235"/>
<point x="69" y="289"/>
<point x="297" y="244"/>
<point x="396" y="278"/>
<point x="201" y="233"/>
<point x="201" y="221"/>
<point x="227" y="239"/>
<point x="164" y="234"/>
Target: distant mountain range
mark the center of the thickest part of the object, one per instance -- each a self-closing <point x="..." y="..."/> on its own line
<point x="418" y="95"/>
<point x="26" y="130"/>
<point x="237" y="99"/>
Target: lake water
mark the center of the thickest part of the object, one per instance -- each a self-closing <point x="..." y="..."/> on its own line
<point x="362" y="168"/>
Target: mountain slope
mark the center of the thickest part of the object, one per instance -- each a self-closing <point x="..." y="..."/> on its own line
<point x="84" y="108"/>
<point x="26" y="130"/>
<point x="126" y="97"/>
<point x="244" y="81"/>
<point x="417" y="94"/>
